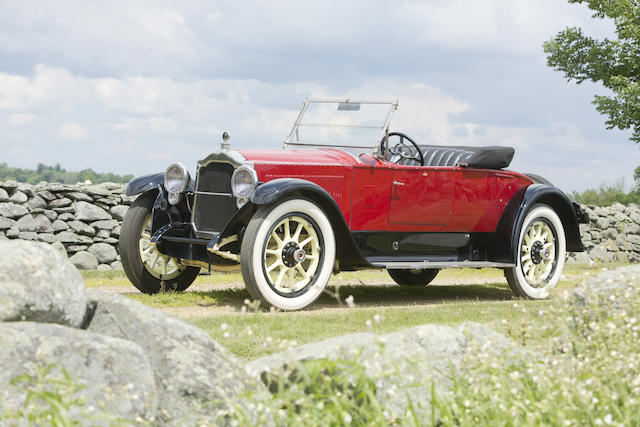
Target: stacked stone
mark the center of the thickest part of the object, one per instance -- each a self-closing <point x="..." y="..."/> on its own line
<point x="84" y="220"/>
<point x="612" y="235"/>
<point x="81" y="220"/>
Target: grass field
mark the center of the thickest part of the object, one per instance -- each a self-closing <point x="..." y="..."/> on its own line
<point x="583" y="369"/>
<point x="218" y="303"/>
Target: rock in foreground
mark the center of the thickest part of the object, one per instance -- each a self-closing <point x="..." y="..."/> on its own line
<point x="195" y="376"/>
<point x="114" y="375"/>
<point x="608" y="283"/>
<point x="39" y="284"/>
<point x="402" y="364"/>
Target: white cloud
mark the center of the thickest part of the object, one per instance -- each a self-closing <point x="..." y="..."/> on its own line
<point x="73" y="131"/>
<point x="153" y="82"/>
<point x="160" y="120"/>
<point x="20" y="119"/>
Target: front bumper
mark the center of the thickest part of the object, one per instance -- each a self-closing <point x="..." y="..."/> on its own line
<point x="178" y="241"/>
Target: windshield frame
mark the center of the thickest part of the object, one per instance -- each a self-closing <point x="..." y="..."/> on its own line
<point x="293" y="140"/>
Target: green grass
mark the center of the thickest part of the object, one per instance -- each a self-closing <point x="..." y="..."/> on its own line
<point x="380" y="306"/>
<point x="254" y="335"/>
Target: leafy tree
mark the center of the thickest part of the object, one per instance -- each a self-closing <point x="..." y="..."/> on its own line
<point x="614" y="63"/>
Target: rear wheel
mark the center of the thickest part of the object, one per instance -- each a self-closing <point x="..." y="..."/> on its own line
<point x="287" y="254"/>
<point x="149" y="270"/>
<point x="413" y="277"/>
<point x="541" y="253"/>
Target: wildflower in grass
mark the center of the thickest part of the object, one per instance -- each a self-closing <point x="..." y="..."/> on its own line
<point x="349" y="301"/>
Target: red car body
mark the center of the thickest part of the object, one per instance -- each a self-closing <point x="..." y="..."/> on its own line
<point x="376" y="195"/>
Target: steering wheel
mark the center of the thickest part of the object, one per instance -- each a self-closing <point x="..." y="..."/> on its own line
<point x="402" y="150"/>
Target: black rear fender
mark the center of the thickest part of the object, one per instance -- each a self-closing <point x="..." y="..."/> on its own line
<point x="513" y="217"/>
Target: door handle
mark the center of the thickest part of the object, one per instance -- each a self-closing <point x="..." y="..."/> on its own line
<point x="398" y="183"/>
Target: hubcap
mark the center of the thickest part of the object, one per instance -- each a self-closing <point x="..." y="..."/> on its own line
<point x="160" y="266"/>
<point x="292" y="254"/>
<point x="538" y="253"/>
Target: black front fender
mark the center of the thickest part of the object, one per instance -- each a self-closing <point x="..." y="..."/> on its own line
<point x="278" y="188"/>
<point x="272" y="191"/>
<point x="144" y="183"/>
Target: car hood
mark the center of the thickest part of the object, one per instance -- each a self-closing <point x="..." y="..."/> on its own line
<point x="329" y="156"/>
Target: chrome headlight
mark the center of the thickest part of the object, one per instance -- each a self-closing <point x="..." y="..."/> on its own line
<point x="243" y="182"/>
<point x="176" y="178"/>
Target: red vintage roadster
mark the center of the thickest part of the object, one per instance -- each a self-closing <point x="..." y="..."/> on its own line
<point x="345" y="193"/>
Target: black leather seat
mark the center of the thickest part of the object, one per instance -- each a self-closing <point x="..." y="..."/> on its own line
<point x="444" y="156"/>
<point x="472" y="157"/>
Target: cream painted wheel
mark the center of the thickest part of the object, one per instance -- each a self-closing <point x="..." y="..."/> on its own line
<point x="291" y="254"/>
<point x="540" y="256"/>
<point x="160" y="266"/>
<point x="148" y="269"/>
<point x="538" y="252"/>
<point x="287" y="254"/>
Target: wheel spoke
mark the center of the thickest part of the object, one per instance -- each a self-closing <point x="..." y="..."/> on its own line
<point x="274" y="252"/>
<point x="275" y="264"/>
<point x="531" y="272"/>
<point x="155" y="259"/>
<point x="146" y="235"/>
<point x="277" y="238"/>
<point x="283" y="271"/>
<point x="296" y="235"/>
<point x="287" y="231"/>
<point x="305" y="241"/>
<point x="292" y="278"/>
<point x="302" y="271"/>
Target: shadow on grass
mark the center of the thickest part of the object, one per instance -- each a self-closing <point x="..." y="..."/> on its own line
<point x="334" y="296"/>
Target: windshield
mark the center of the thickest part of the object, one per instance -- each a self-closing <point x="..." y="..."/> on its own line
<point x="341" y="123"/>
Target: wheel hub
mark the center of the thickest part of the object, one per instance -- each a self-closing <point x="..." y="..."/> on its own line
<point x="539" y="252"/>
<point x="292" y="254"/>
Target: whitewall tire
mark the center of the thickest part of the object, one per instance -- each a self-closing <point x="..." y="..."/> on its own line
<point x="540" y="256"/>
<point x="148" y="269"/>
<point x="288" y="253"/>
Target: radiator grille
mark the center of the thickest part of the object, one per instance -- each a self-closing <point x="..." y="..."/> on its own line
<point x="212" y="211"/>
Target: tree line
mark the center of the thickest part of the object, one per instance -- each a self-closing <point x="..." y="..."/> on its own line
<point x="58" y="174"/>
<point x="608" y="194"/>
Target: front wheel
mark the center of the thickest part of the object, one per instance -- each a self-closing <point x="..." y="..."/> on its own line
<point x="541" y="253"/>
<point x="287" y="254"/>
<point x="413" y="277"/>
<point x="149" y="270"/>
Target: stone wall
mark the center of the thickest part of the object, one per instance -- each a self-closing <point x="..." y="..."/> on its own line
<point x="81" y="220"/>
<point x="613" y="234"/>
<point x="84" y="220"/>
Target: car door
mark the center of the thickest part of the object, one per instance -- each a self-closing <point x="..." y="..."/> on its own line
<point x="421" y="197"/>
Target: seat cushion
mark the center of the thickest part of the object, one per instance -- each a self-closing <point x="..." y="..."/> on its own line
<point x="472" y="157"/>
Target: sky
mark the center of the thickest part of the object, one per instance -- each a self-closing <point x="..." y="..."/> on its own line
<point x="131" y="86"/>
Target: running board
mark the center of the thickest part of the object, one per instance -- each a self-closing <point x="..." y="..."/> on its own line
<point x="421" y="265"/>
